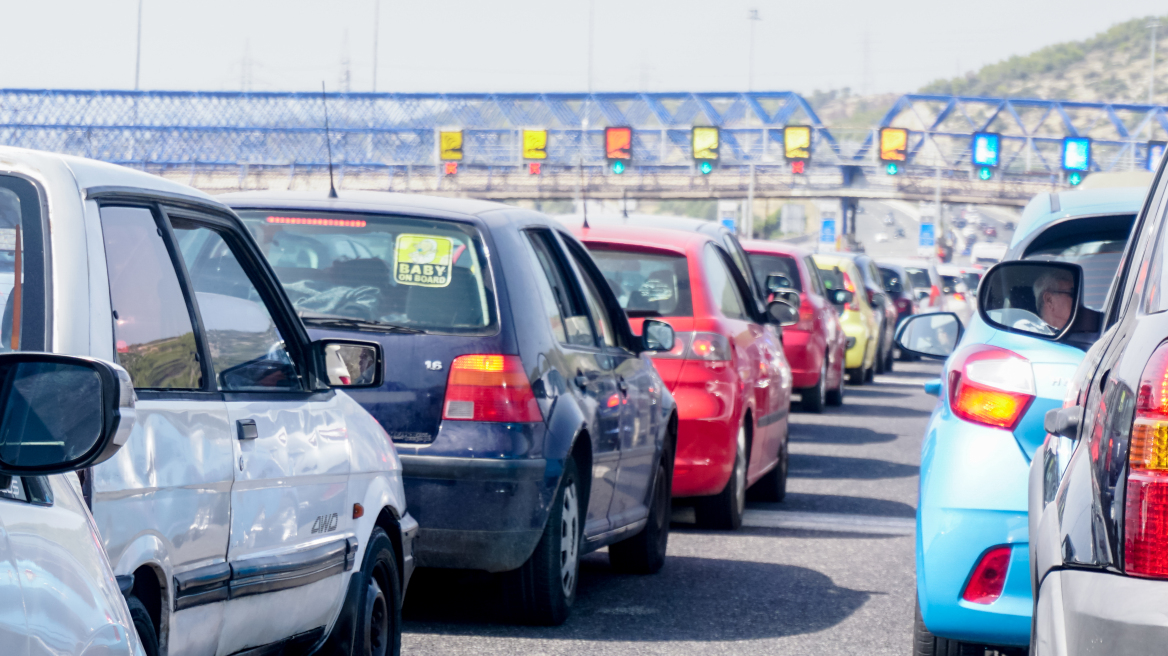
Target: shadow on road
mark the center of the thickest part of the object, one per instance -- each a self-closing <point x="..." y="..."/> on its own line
<point x="828" y="434"/>
<point x="832" y="503"/>
<point x="701" y="599"/>
<point x="810" y="466"/>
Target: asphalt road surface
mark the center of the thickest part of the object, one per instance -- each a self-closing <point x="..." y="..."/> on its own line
<point x="829" y="571"/>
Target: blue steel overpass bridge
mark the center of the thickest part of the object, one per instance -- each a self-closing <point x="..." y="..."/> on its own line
<point x="222" y="141"/>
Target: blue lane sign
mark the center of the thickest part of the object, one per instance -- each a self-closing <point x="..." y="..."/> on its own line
<point x="926" y="239"/>
<point x="987" y="149"/>
<point x="1155" y="154"/>
<point x="729" y="223"/>
<point x="1077" y="154"/>
<point x="827" y="235"/>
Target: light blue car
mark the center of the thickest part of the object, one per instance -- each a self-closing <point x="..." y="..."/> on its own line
<point x="973" y="574"/>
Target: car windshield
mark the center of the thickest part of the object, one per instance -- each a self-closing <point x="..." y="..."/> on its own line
<point x="369" y="271"/>
<point x="891" y="278"/>
<point x="918" y="277"/>
<point x="646" y="284"/>
<point x="1099" y="259"/>
<point x="783" y="265"/>
<point x="832" y="278"/>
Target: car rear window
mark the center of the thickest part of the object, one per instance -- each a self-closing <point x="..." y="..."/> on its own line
<point x="832" y="278"/>
<point x="918" y="277"/>
<point x="379" y="271"/>
<point x="949" y="284"/>
<point x="646" y="284"/>
<point x="765" y="265"/>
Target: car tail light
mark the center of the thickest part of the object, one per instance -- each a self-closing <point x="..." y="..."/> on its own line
<point x="489" y="388"/>
<point x="852" y="305"/>
<point x="958" y="296"/>
<point x="698" y="346"/>
<point x="990" y="385"/>
<point x="989" y="576"/>
<point x="806" y="315"/>
<point x="934" y="294"/>
<point x="1146" y="508"/>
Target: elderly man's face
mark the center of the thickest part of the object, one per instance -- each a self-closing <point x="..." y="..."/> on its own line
<point x="1057" y="303"/>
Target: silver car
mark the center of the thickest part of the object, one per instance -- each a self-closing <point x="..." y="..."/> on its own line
<point x="254" y="504"/>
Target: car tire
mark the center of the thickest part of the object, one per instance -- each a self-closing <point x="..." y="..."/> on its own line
<point x="835" y="397"/>
<point x="644" y="553"/>
<point x="870" y="374"/>
<point x="812" y="398"/>
<point x="927" y="644"/>
<point x="143" y="625"/>
<point x="379" y="614"/>
<point x="888" y="360"/>
<point x="878" y="365"/>
<point x="724" y="510"/>
<point x="543" y="589"/>
<point x="772" y="487"/>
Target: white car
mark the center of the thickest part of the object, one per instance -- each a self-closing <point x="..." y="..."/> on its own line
<point x="254" y="505"/>
<point x="988" y="253"/>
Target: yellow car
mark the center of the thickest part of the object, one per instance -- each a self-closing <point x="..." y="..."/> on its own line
<point x="857" y="317"/>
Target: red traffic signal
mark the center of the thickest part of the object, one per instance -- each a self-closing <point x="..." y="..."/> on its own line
<point x="451" y="168"/>
<point x="618" y="144"/>
<point x="798" y="166"/>
<point x="534" y="167"/>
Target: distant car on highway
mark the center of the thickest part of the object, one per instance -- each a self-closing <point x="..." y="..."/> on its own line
<point x="898" y="286"/>
<point x="1000" y="378"/>
<point x="955" y="294"/>
<point x="858" y="316"/>
<point x="816" y="346"/>
<point x="889" y="219"/>
<point x="881" y="237"/>
<point x="988" y="253"/>
<point x="990" y="232"/>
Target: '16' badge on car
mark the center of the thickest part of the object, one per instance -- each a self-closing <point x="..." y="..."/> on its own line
<point x="422" y="260"/>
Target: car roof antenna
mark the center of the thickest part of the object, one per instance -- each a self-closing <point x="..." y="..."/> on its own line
<point x="328" y="141"/>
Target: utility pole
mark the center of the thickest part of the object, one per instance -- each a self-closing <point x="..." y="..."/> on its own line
<point x="1152" y="24"/>
<point x="138" y="53"/>
<point x="753" y="17"/>
<point x="376" y="33"/>
<point x="584" y="118"/>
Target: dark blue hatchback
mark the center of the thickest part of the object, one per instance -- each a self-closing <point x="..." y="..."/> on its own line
<point x="531" y="424"/>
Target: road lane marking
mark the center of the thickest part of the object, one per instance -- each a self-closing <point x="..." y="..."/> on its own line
<point x="834" y="522"/>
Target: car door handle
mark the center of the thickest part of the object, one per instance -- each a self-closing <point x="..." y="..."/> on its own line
<point x="247" y="429"/>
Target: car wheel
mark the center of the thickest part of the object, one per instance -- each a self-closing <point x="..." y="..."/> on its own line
<point x="813" y="397"/>
<point x="724" y="511"/>
<point x="888" y="360"/>
<point x="379" y="616"/>
<point x="143" y="625"/>
<point x="927" y="644"/>
<point x="870" y="374"/>
<point x="543" y="589"/>
<point x="644" y="553"/>
<point x="878" y="365"/>
<point x="773" y="486"/>
<point x="835" y="397"/>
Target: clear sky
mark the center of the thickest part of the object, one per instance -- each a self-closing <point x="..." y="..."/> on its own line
<point x="532" y="45"/>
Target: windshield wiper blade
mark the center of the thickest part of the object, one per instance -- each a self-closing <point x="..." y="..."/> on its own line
<point x="331" y="321"/>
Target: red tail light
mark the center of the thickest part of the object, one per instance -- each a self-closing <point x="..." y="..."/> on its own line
<point x="698" y="346"/>
<point x="989" y="577"/>
<point x="958" y="296"/>
<point x="1146" y="513"/>
<point x="990" y="385"/>
<point x="852" y="305"/>
<point x="489" y="388"/>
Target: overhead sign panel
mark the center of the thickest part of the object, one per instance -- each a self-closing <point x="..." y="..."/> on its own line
<point x="797" y="142"/>
<point x="450" y="145"/>
<point x="987" y="149"/>
<point x="535" y="144"/>
<point x="893" y="144"/>
<point x="1077" y="154"/>
<point x="705" y="143"/>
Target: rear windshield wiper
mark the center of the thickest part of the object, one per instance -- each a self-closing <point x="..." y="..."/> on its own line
<point x="331" y="321"/>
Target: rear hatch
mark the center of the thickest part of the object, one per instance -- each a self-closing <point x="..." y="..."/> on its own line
<point x="421" y="287"/>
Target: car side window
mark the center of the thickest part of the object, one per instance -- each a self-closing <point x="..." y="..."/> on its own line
<point x="724" y="293"/>
<point x="813" y="274"/>
<point x="576" y="328"/>
<point x="1155" y="300"/>
<point x="592" y="295"/>
<point x="154" y="336"/>
<point x="247" y="351"/>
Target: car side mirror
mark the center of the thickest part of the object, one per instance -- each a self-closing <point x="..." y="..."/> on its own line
<point x="777" y="282"/>
<point x="61" y="413"/>
<point x="789" y="297"/>
<point x="934" y="335"/>
<point x="840" y="296"/>
<point x="351" y="363"/>
<point x="657" y="336"/>
<point x="1037" y="298"/>
<point x="782" y="314"/>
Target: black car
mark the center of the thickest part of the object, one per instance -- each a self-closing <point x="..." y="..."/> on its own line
<point x="886" y="311"/>
<point x="531" y="425"/>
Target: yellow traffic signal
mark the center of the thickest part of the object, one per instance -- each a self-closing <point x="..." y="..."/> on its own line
<point x="797" y="141"/>
<point x="893" y="144"/>
<point x="705" y="144"/>
<point x="450" y="145"/>
<point x="535" y="144"/>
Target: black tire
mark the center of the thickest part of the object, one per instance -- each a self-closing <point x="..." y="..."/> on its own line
<point x="143" y="625"/>
<point x="772" y="488"/>
<point x="543" y="589"/>
<point x="835" y="397"/>
<point x="888" y="360"/>
<point x="379" y="615"/>
<point x="812" y="398"/>
<point x="870" y="374"/>
<point x="724" y="510"/>
<point x="927" y="644"/>
<point x="644" y="553"/>
<point x="878" y="365"/>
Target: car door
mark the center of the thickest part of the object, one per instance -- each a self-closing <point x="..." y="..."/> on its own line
<point x="291" y="520"/>
<point x="165" y="496"/>
<point x="639" y="426"/>
<point x="587" y="368"/>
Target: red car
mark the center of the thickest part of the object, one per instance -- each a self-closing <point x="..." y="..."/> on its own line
<point x="728" y="373"/>
<point x="816" y="346"/>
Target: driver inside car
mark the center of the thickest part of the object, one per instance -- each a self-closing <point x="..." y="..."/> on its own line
<point x="1054" y="296"/>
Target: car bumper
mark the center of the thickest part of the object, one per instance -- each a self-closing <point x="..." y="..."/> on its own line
<point x="707" y="430"/>
<point x="806" y="363"/>
<point x="1081" y="612"/>
<point x="973" y="497"/>
<point x="409" y="538"/>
